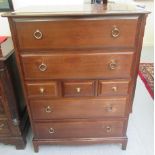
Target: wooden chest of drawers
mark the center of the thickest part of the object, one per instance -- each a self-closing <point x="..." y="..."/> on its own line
<point x="14" y="121"/>
<point x="79" y="72"/>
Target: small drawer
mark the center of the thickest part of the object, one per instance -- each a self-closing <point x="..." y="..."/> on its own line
<point x="4" y="130"/>
<point x="80" y="129"/>
<point x="78" y="88"/>
<point x="119" y="87"/>
<point x="78" y="108"/>
<point x="42" y="89"/>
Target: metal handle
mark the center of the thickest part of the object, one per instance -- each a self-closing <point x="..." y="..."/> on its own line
<point x="78" y="90"/>
<point x="115" y="32"/>
<point x="42" y="67"/>
<point x="42" y="90"/>
<point x="51" y="131"/>
<point x="112" y="65"/>
<point x="48" y="109"/>
<point x="1" y="126"/>
<point x="114" y="89"/>
<point x="108" y="129"/>
<point x="38" y="34"/>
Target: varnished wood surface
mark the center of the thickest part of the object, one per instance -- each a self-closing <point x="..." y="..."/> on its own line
<point x="78" y="32"/>
<point x="78" y="46"/>
<point x="78" y="108"/>
<point x="79" y="65"/>
<point x="89" y="129"/>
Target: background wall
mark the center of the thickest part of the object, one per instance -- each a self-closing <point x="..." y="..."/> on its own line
<point x="149" y="31"/>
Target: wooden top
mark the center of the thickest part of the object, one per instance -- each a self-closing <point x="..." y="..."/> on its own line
<point x="78" y="10"/>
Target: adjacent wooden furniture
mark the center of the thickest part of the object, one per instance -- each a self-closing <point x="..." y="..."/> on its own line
<point x="79" y="71"/>
<point x="14" y="121"/>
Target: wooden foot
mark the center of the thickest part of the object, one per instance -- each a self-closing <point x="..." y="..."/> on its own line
<point x="21" y="145"/>
<point x="124" y="144"/>
<point x="36" y="147"/>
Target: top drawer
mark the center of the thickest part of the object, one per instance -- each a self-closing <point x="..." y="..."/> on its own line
<point x="76" y="33"/>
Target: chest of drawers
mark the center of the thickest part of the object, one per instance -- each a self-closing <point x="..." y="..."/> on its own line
<point x="79" y="72"/>
<point x="14" y="121"/>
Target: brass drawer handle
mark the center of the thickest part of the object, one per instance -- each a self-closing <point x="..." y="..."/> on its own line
<point x="48" y="109"/>
<point x="115" y="32"/>
<point x="38" y="34"/>
<point x="78" y="90"/>
<point x="42" y="67"/>
<point x="51" y="131"/>
<point x="42" y="90"/>
<point x="2" y="126"/>
<point x="108" y="129"/>
<point x="112" y="65"/>
<point x="114" y="89"/>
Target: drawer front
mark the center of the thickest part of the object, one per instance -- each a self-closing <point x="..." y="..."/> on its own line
<point x="78" y="108"/>
<point x="4" y="130"/>
<point x="73" y="66"/>
<point x="81" y="33"/>
<point x="78" y="88"/>
<point x="119" y="87"/>
<point x="83" y="129"/>
<point x="42" y="89"/>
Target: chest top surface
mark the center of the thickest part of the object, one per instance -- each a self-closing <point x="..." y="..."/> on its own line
<point x="78" y="10"/>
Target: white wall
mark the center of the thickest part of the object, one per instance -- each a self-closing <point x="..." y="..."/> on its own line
<point x="149" y="31"/>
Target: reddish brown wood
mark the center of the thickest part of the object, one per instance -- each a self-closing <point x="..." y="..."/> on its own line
<point x="78" y="88"/>
<point x="79" y="108"/>
<point x="42" y="89"/>
<point x="76" y="33"/>
<point x="75" y="66"/>
<point x="79" y="47"/>
<point x="90" y="129"/>
<point x="113" y="87"/>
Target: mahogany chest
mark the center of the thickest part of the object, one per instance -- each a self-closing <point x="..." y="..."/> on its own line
<point x="79" y="71"/>
<point x="14" y="121"/>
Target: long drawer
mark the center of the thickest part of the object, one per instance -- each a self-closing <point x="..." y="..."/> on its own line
<point x="78" y="108"/>
<point x="76" y="33"/>
<point x="80" y="65"/>
<point x="82" y="129"/>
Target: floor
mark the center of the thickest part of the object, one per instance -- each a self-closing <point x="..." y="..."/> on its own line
<point x="140" y="129"/>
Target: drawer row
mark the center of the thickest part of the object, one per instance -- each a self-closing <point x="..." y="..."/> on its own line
<point x="80" y="129"/>
<point x="71" y="108"/>
<point x="95" y="32"/>
<point x="77" y="88"/>
<point x="69" y="65"/>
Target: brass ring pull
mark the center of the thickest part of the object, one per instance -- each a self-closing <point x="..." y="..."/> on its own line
<point x="38" y="34"/>
<point x="2" y="126"/>
<point x="112" y="65"/>
<point x="108" y="129"/>
<point x="51" y="131"/>
<point x="78" y="90"/>
<point x="48" y="109"/>
<point x="42" y="67"/>
<point x="114" y="89"/>
<point x="115" y="32"/>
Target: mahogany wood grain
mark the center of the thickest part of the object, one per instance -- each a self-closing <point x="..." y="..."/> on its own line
<point x="90" y="32"/>
<point x="80" y="65"/>
<point x="78" y="108"/>
<point x="42" y="89"/>
<point x="113" y="87"/>
<point x="90" y="129"/>
<point x="78" y="88"/>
